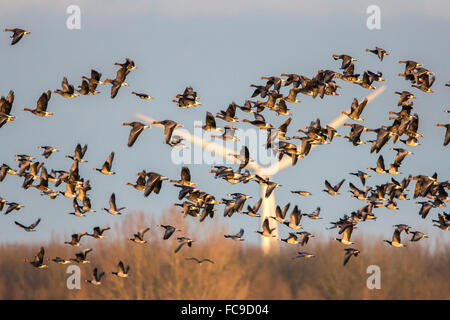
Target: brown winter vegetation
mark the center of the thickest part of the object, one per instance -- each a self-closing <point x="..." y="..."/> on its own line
<point x="240" y="270"/>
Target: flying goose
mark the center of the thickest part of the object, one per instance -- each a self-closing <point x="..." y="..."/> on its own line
<point x="380" y="166"/>
<point x="43" y="183"/>
<point x="404" y="97"/>
<point x="239" y="199"/>
<point x="41" y="108"/>
<point x="78" y="210"/>
<point x="304" y="255"/>
<point x="128" y="64"/>
<point x="230" y="207"/>
<point x="80" y="257"/>
<point x="228" y="134"/>
<point x="443" y="221"/>
<point x="38" y="261"/>
<point x="70" y="191"/>
<point x="302" y="193"/>
<point x="361" y="175"/>
<point x="119" y="81"/>
<point x="67" y="91"/>
<point x="380" y="52"/>
<point x="123" y="271"/>
<point x="5" y="108"/>
<point x="137" y="128"/>
<point x="112" y="206"/>
<point x="247" y="107"/>
<point x="154" y="183"/>
<point x="291" y="239"/>
<point x="347" y="229"/>
<point x="83" y="89"/>
<point x="417" y="235"/>
<point x="142" y="95"/>
<point x="169" y="127"/>
<point x="425" y="208"/>
<point x="259" y="90"/>
<point x="97" y="277"/>
<point x="94" y="79"/>
<point x="356" y="109"/>
<point x="282" y="109"/>
<point x="396" y="241"/>
<point x="349" y="252"/>
<point x="60" y="260"/>
<point x="275" y="81"/>
<point x="410" y="65"/>
<point x="259" y="122"/>
<point x="13" y="206"/>
<point x="139" y="236"/>
<point x="355" y="133"/>
<point x="426" y="82"/>
<point x="304" y="237"/>
<point x="243" y="157"/>
<point x="176" y="140"/>
<point x="76" y="238"/>
<point x="294" y="219"/>
<point x="182" y="241"/>
<point x="48" y="151"/>
<point x="267" y="231"/>
<point x="346" y="60"/>
<point x="253" y="211"/>
<point x="17" y="34"/>
<point x="314" y="214"/>
<point x="29" y="228"/>
<point x="375" y="76"/>
<point x="228" y="115"/>
<point x="237" y="236"/>
<point x="4" y="170"/>
<point x="169" y="230"/>
<point x="270" y="185"/>
<point x="401" y="154"/>
<point x="188" y="99"/>
<point x="89" y="85"/>
<point x="106" y="168"/>
<point x="210" y="123"/>
<point x="185" y="178"/>
<point x="333" y="190"/>
<point x="280" y="214"/>
<point x="200" y="261"/>
<point x="79" y="153"/>
<point x="98" y="232"/>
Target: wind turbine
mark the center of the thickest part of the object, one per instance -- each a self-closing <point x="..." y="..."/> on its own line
<point x="268" y="204"/>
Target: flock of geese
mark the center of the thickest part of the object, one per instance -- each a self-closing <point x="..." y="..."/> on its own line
<point x="404" y="128"/>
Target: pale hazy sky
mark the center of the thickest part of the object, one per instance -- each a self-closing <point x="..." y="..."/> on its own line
<point x="220" y="49"/>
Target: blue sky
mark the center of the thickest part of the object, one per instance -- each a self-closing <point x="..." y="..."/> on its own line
<point x="219" y="50"/>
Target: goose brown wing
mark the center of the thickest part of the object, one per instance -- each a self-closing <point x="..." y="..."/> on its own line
<point x="210" y="121"/>
<point x="112" y="202"/>
<point x="134" y="133"/>
<point x="380" y="162"/>
<point x="185" y="174"/>
<point x="257" y="205"/>
<point x="40" y="256"/>
<point x="43" y="101"/>
<point x="108" y="163"/>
